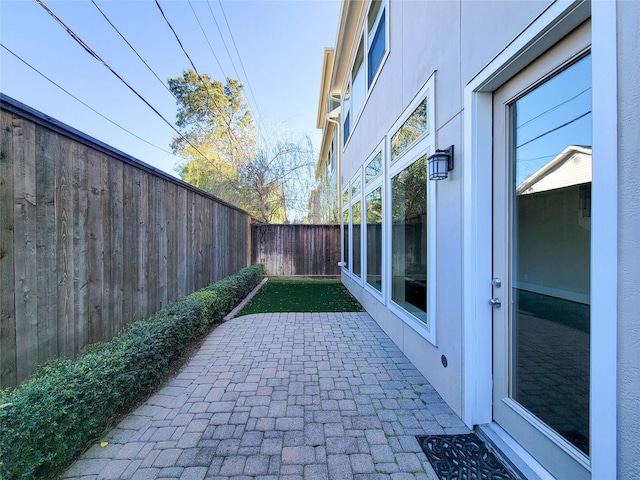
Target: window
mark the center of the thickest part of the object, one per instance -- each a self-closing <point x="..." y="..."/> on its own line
<point x="410" y="252"/>
<point x="345" y="238"/>
<point x="410" y="131"/>
<point x="373" y="168"/>
<point x="358" y="87"/>
<point x="409" y="239"/>
<point x="356" y="238"/>
<point x="371" y="49"/>
<point x="376" y="39"/>
<point x="374" y="238"/>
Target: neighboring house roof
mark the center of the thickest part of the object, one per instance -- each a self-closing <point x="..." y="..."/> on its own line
<point x="570" y="167"/>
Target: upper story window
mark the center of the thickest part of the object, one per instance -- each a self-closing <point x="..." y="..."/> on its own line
<point x="372" y="46"/>
<point x="376" y="38"/>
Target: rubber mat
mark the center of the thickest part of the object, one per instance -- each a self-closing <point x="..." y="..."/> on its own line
<point x="463" y="457"/>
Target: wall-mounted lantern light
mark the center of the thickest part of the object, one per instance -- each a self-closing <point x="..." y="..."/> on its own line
<point x="440" y="164"/>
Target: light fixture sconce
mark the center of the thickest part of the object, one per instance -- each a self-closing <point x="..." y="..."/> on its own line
<point x="440" y="164"/>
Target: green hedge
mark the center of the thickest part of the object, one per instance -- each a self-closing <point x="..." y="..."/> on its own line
<point x="47" y="421"/>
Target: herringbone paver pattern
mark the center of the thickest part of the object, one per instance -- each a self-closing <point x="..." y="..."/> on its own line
<point x="287" y="396"/>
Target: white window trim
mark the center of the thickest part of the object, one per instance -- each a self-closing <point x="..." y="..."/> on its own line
<point x="374" y="184"/>
<point x="349" y="268"/>
<point x="344" y="208"/>
<point x="363" y="37"/>
<point x="553" y="24"/>
<point x="424" y="145"/>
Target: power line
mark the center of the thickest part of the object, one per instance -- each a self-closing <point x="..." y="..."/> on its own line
<point x="132" y="47"/>
<point x="241" y="63"/>
<point x="207" y="38"/>
<point x="554" y="129"/>
<point x="206" y="87"/>
<point x="97" y="57"/>
<point x="83" y="103"/>
<point x="223" y="40"/>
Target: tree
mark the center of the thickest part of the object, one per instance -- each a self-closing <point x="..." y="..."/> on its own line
<point x="217" y="133"/>
<point x="269" y="181"/>
<point x="278" y="178"/>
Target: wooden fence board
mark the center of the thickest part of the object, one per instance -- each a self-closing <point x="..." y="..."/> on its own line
<point x="26" y="274"/>
<point x="115" y="252"/>
<point x="64" y="207"/>
<point x="80" y="240"/>
<point x="8" y="374"/>
<point x="47" y="151"/>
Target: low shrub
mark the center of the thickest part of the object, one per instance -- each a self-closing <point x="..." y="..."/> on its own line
<point x="48" y="420"/>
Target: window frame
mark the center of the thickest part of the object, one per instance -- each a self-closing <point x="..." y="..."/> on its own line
<point x="370" y="186"/>
<point x="424" y="145"/>
<point x="350" y="117"/>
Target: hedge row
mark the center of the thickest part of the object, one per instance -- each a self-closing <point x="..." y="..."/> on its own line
<point x="47" y="421"/>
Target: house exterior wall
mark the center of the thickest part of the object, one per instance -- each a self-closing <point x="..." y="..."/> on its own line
<point x="629" y="241"/>
<point x="456" y="43"/>
<point x="463" y="48"/>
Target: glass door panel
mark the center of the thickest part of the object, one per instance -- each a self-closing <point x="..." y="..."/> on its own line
<point x="551" y="240"/>
<point x="542" y="257"/>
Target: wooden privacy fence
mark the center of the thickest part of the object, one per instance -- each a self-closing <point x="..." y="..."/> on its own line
<point x="92" y="240"/>
<point x="297" y="250"/>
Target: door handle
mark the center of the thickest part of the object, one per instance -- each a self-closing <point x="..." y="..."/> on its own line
<point x="495" y="302"/>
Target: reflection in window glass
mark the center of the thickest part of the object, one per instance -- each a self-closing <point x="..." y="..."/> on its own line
<point x="373" y="169"/>
<point x="551" y="194"/>
<point x="345" y="238"/>
<point x="358" y="87"/>
<point x="356" y="186"/>
<point x="412" y="129"/>
<point x="345" y="197"/>
<point x="376" y="39"/>
<point x="409" y="239"/>
<point x="355" y="219"/>
<point x="374" y="238"/>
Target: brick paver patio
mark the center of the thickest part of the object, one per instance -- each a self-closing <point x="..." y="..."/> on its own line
<point x="287" y="396"/>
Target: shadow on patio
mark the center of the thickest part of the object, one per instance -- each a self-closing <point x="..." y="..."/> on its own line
<point x="290" y="395"/>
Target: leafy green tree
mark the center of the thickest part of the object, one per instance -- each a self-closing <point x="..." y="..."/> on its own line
<point x="267" y="180"/>
<point x="216" y="123"/>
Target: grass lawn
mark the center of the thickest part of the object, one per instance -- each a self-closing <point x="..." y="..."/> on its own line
<point x="302" y="296"/>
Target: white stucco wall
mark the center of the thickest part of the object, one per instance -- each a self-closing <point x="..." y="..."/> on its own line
<point x="629" y="240"/>
<point x="449" y="38"/>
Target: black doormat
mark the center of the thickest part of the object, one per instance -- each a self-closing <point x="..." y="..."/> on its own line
<point x="462" y="457"/>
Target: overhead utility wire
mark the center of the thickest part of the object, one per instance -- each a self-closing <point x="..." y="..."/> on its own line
<point x="132" y="47"/>
<point x="97" y="57"/>
<point x="207" y="38"/>
<point x="223" y="41"/>
<point x="240" y="59"/>
<point x="206" y="87"/>
<point x="83" y="103"/>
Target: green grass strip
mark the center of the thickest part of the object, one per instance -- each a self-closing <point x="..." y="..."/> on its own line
<point x="279" y="295"/>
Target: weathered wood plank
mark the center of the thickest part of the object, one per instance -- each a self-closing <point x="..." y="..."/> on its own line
<point x="152" y="242"/>
<point x="161" y="222"/>
<point x="181" y="227"/>
<point x="47" y="154"/>
<point x="131" y="242"/>
<point x="65" y="267"/>
<point x="143" y="248"/>
<point x="171" y="257"/>
<point x="95" y="245"/>
<point x="115" y="252"/>
<point x="80" y="247"/>
<point x="8" y="374"/>
<point x="26" y="272"/>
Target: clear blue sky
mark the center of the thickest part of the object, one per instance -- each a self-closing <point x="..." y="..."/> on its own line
<point x="280" y="42"/>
